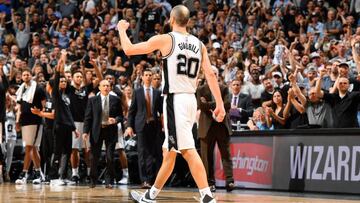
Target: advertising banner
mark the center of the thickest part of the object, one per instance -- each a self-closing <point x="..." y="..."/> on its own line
<point x="252" y="163"/>
<point x="317" y="163"/>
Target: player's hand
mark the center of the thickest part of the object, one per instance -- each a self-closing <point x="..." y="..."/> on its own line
<point x="77" y="133"/>
<point x="17" y="127"/>
<point x="129" y="131"/>
<point x="123" y="25"/>
<point x="85" y="136"/>
<point x="219" y="113"/>
<point x="35" y="111"/>
<point x="111" y="121"/>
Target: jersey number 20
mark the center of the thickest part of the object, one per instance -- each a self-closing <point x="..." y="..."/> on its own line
<point x="187" y="66"/>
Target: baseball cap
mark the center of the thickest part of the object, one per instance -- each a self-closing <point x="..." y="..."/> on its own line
<point x="314" y="55"/>
<point x="216" y="45"/>
<point x="276" y="73"/>
<point x="311" y="69"/>
<point x="344" y="64"/>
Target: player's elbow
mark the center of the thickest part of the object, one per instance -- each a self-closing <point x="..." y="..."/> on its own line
<point x="127" y="51"/>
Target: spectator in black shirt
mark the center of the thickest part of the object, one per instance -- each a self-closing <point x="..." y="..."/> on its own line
<point x="30" y="95"/>
<point x="47" y="142"/>
<point x="78" y="95"/>
<point x="343" y="103"/>
<point x="64" y="122"/>
<point x="267" y="95"/>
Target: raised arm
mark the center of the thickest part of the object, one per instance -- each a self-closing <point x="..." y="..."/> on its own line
<point x="296" y="89"/>
<point x="319" y="92"/>
<point x="97" y="72"/>
<point x="156" y="42"/>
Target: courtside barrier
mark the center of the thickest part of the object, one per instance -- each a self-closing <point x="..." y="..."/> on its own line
<point x="316" y="160"/>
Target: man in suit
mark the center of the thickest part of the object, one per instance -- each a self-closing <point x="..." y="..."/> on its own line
<point x="103" y="113"/>
<point x="144" y="120"/>
<point x="241" y="104"/>
<point x="211" y="132"/>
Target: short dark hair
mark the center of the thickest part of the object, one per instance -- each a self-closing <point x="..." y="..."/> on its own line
<point x="147" y="70"/>
<point x="77" y="71"/>
<point x="26" y="70"/>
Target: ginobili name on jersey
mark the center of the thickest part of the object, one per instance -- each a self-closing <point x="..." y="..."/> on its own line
<point x="188" y="46"/>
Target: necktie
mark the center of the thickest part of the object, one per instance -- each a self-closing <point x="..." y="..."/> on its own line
<point x="148" y="104"/>
<point x="234" y="101"/>
<point x="105" y="112"/>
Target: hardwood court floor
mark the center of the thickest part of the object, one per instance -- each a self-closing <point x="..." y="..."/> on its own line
<point x="80" y="194"/>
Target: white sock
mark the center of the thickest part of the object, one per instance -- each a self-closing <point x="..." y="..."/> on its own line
<point x="154" y="192"/>
<point x="88" y="171"/>
<point x="125" y="172"/>
<point x="1" y="172"/>
<point x="205" y="191"/>
<point x="75" y="171"/>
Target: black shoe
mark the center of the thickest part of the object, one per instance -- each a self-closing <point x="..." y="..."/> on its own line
<point x="87" y="179"/>
<point x="7" y="177"/>
<point x="75" y="178"/>
<point x="37" y="178"/>
<point x="207" y="199"/>
<point x="92" y="183"/>
<point x="46" y="181"/>
<point x="229" y="187"/>
<point x="212" y="188"/>
<point x="22" y="179"/>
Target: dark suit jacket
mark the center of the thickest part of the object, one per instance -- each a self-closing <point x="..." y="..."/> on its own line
<point x="92" y="122"/>
<point x="137" y="111"/>
<point x="247" y="108"/>
<point x="206" y="119"/>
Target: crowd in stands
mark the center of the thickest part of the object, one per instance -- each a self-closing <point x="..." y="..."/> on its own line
<point x="287" y="63"/>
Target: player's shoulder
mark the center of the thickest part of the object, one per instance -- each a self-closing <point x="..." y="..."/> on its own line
<point x="163" y="37"/>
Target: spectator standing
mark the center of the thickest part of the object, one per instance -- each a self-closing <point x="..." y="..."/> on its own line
<point x="64" y="122"/>
<point x="343" y="103"/>
<point x="48" y="139"/>
<point x="144" y="121"/>
<point x="103" y="112"/>
<point x="22" y="32"/>
<point x="10" y="134"/>
<point x="67" y="8"/>
<point x="212" y="132"/>
<point x="78" y="95"/>
<point x="30" y="95"/>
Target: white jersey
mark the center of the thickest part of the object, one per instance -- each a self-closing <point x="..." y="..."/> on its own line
<point x="10" y="122"/>
<point x="182" y="65"/>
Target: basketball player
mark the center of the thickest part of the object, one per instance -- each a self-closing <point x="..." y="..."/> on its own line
<point x="182" y="55"/>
